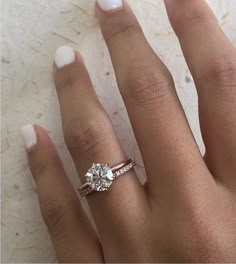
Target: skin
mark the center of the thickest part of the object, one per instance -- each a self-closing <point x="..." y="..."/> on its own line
<point x="186" y="212"/>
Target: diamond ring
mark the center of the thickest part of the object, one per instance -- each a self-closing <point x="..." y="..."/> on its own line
<point x="100" y="177"/>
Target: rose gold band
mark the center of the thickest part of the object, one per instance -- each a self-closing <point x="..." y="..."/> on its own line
<point x="120" y="165"/>
<point x="123" y="167"/>
<point x="117" y="170"/>
<point x="85" y="189"/>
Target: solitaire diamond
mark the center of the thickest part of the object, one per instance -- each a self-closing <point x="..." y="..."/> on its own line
<point x="99" y="177"/>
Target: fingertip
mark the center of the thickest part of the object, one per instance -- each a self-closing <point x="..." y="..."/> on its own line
<point x="78" y="57"/>
<point x="43" y="138"/>
<point x="34" y="136"/>
<point x="42" y="154"/>
<point x="64" y="56"/>
<point x="109" y="5"/>
<point x="29" y="136"/>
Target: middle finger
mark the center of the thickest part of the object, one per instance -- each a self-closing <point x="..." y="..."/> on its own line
<point x="157" y="117"/>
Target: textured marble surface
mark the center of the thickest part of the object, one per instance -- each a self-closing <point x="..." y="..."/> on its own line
<point x="31" y="32"/>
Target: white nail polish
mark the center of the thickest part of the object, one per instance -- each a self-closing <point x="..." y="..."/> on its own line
<point x="29" y="136"/>
<point x="110" y="5"/>
<point x="64" y="56"/>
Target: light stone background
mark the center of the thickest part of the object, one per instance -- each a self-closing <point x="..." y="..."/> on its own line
<point x="31" y="32"/>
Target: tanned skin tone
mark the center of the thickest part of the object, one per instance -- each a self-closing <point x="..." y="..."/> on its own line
<point x="186" y="211"/>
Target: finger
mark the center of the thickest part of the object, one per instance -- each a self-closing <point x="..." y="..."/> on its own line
<point x="90" y="138"/>
<point x="72" y="235"/>
<point x="156" y="114"/>
<point x="212" y="60"/>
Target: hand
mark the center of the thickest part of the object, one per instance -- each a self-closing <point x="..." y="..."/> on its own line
<point x="186" y="212"/>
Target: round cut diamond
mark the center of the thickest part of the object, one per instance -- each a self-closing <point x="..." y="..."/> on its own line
<point x="99" y="177"/>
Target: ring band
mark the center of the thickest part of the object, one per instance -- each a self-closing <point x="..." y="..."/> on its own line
<point x="101" y="176"/>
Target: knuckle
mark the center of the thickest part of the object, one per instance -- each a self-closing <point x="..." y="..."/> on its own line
<point x="222" y="79"/>
<point x="207" y="244"/>
<point x="55" y="210"/>
<point x="87" y="138"/>
<point x="197" y="14"/>
<point x="147" y="86"/>
<point x="207" y="233"/>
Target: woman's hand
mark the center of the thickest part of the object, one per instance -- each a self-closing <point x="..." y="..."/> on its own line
<point x="186" y="212"/>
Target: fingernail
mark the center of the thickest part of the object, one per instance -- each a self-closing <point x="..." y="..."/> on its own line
<point x="110" y="5"/>
<point x="64" y="56"/>
<point x="29" y="136"/>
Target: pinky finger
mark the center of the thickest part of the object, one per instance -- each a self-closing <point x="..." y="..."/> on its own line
<point x="73" y="237"/>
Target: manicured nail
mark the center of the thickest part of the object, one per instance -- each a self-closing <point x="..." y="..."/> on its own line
<point x="110" y="5"/>
<point x="64" y="56"/>
<point x="29" y="136"/>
